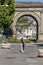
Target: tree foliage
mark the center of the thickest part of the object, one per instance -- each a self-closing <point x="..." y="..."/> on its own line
<point x="22" y="22"/>
<point x="7" y="9"/>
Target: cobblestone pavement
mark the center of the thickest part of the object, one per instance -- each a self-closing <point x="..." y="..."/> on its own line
<point x="13" y="56"/>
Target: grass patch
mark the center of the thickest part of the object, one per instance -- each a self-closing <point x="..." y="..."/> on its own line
<point x="13" y="39"/>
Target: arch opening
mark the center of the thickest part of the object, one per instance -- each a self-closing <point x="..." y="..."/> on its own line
<point x="27" y="26"/>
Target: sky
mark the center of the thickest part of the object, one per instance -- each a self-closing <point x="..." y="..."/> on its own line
<point x="29" y="0"/>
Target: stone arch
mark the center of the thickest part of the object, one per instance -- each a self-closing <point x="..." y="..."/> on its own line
<point x="33" y="14"/>
<point x="26" y="13"/>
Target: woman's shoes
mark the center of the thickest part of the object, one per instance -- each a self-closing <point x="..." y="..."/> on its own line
<point x="21" y="51"/>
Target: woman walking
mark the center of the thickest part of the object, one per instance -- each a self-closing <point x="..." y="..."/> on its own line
<point x="22" y="45"/>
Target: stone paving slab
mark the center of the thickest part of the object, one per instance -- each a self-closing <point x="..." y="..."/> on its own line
<point x="13" y="56"/>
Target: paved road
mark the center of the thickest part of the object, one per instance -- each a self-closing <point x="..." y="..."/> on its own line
<point x="14" y="57"/>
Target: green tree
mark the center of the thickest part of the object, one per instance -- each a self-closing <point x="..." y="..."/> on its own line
<point x="23" y="23"/>
<point x="7" y="9"/>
